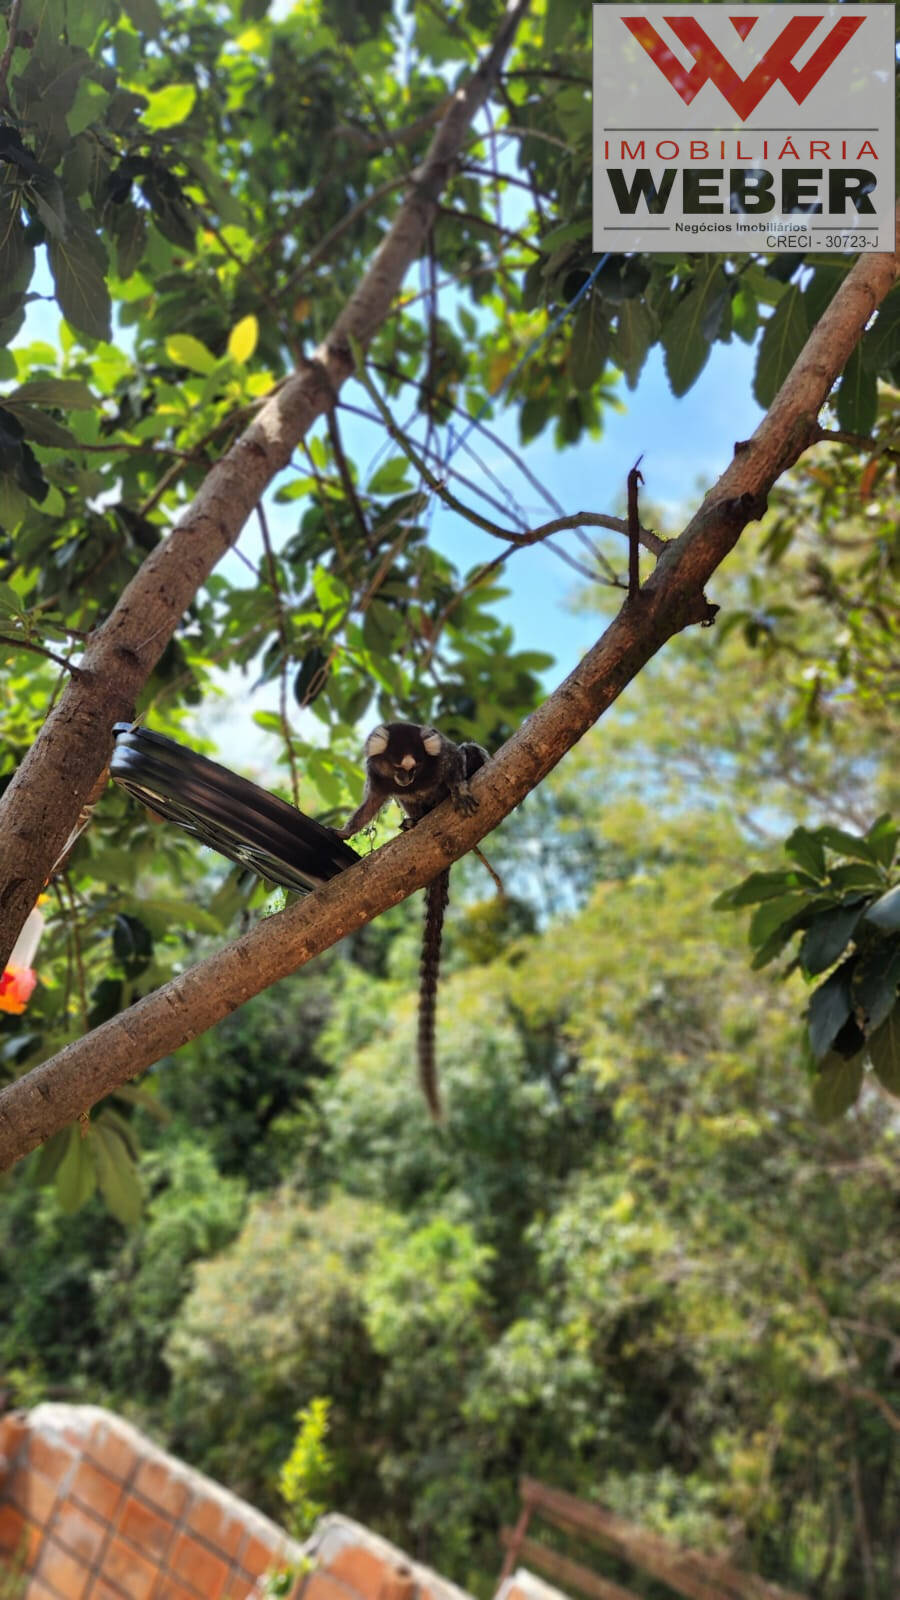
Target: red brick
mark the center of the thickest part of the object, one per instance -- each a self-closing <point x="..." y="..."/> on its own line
<point x="12" y="1530"/>
<point x="398" y="1584"/>
<point x="353" y="1564"/>
<point x="197" y="1566"/>
<point x="131" y="1572"/>
<point x="111" y="1448"/>
<point x="322" y="1587"/>
<point x="33" y="1493"/>
<point x="238" y="1588"/>
<point x="171" y="1589"/>
<point x="39" y="1591"/>
<point x="79" y="1532"/>
<point x="155" y="1482"/>
<point x="106" y="1591"/>
<point x="145" y="1527"/>
<point x="95" y="1490"/>
<point x="256" y="1556"/>
<point x="64" y="1573"/>
<point x="50" y="1457"/>
<point x="220" y="1526"/>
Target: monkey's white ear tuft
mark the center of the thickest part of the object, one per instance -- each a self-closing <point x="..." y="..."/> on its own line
<point x="432" y="741"/>
<point x="377" y="742"/>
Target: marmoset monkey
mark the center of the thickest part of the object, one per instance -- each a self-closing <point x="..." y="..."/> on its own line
<point x="419" y="767"/>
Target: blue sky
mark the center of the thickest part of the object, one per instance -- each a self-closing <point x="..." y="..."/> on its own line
<point x="685" y="444"/>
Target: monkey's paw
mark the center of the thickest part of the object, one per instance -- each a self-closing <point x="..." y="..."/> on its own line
<point x="465" y="802"/>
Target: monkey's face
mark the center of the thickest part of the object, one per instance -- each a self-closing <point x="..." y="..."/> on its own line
<point x="404" y="756"/>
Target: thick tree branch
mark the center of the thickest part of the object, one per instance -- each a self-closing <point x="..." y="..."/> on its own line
<point x="54" y="1094"/>
<point x="41" y="803"/>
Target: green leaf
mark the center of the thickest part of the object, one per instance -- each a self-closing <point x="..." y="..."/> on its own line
<point x="836" y="1087"/>
<point x="590" y="343"/>
<point x="856" y="875"/>
<point x="745" y="314"/>
<point x="882" y="839"/>
<point x="772" y="914"/>
<point x="632" y="339"/>
<point x="169" y="106"/>
<point x="186" y="351"/>
<point x="558" y="19"/>
<point x="690" y="328"/>
<point x="876" y="982"/>
<point x="758" y="886"/>
<point x="885" y="913"/>
<point x="146" y="16"/>
<point x="391" y="478"/>
<point x="116" y="1173"/>
<point x="91" y="100"/>
<point x="846" y="844"/>
<point x="881" y="344"/>
<point x="129" y="228"/>
<point x="807" y="850"/>
<point x="884" y="1052"/>
<point x="76" y="1176"/>
<point x="69" y="393"/>
<point x="45" y="199"/>
<point x="857" y="396"/>
<point x="784" y="337"/>
<point x="78" y="263"/>
<point x="828" y="1010"/>
<point x="42" y="429"/>
<point x="331" y="593"/>
<point x="48" y="1157"/>
<point x="828" y="936"/>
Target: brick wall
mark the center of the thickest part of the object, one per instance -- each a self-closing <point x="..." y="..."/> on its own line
<point x="90" y="1509"/>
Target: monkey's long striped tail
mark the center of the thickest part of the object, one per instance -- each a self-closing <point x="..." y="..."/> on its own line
<point x="437" y="895"/>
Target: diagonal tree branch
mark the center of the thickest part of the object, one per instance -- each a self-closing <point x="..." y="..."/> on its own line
<point x="41" y="803"/>
<point x="54" y="1094"/>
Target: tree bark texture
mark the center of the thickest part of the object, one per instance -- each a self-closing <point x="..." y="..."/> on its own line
<point x="41" y="804"/>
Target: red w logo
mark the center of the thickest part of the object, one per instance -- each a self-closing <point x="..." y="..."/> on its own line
<point x="743" y="94"/>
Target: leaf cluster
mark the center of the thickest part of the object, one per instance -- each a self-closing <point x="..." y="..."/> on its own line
<point x="840" y="896"/>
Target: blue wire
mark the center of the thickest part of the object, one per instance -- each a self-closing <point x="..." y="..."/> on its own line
<point x="455" y="444"/>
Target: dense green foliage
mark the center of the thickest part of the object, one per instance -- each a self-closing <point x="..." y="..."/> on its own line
<point x="634" y="1262"/>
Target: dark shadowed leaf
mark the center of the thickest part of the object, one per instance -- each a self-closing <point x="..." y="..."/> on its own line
<point x="590" y="343"/>
<point x="884" y="1050"/>
<point x="829" y="1009"/>
<point x="885" y="913"/>
<point x="784" y="337"/>
<point x="824" y="941"/>
<point x="78" y="263"/>
<point x="857" y="396"/>
<point x="632" y="339"/>
<point x="876" y="982"/>
<point x="688" y="330"/>
<point x="806" y="849"/>
<point x="837" y="1086"/>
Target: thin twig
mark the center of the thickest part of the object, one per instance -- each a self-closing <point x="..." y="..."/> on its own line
<point x="275" y="587"/>
<point x="588" y="519"/>
<point x="40" y="650"/>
